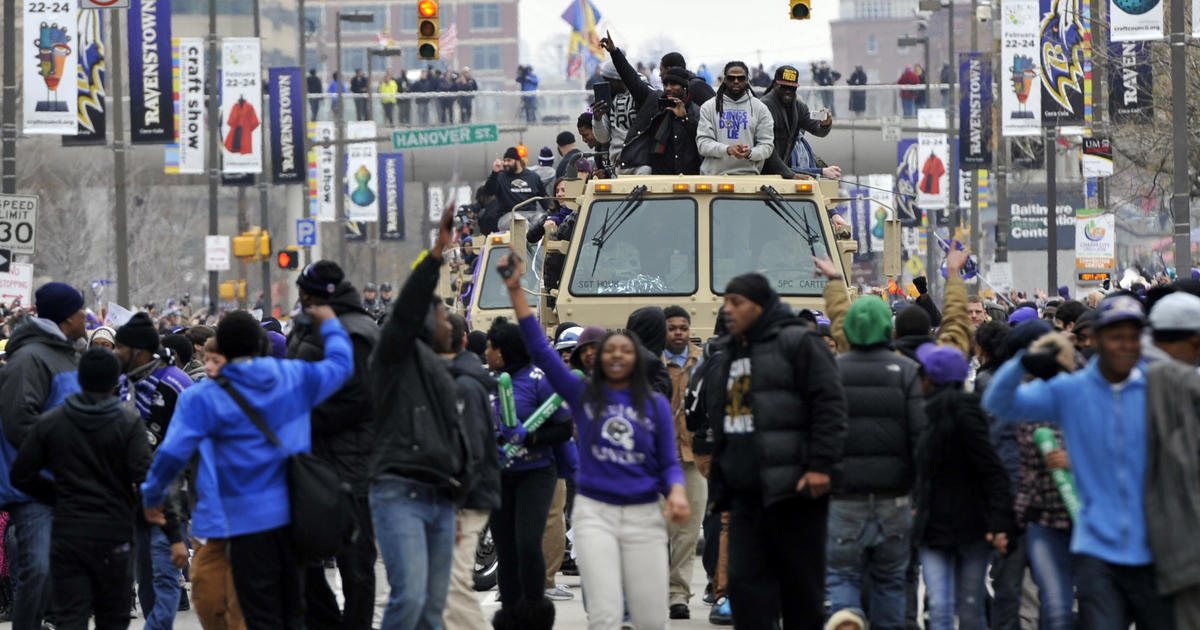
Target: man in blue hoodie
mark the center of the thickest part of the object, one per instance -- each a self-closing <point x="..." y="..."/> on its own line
<point x="242" y="480"/>
<point x="39" y="376"/>
<point x="1102" y="412"/>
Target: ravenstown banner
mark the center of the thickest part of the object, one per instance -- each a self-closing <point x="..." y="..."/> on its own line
<point x="975" y="111"/>
<point x="1061" y="62"/>
<point x="50" y="98"/>
<point x="362" y="173"/>
<point x="90" y="81"/>
<point x="322" y="172"/>
<point x="287" y="139"/>
<point x="1135" y="20"/>
<point x="241" y="105"/>
<point x="1130" y="82"/>
<point x="1020" y="85"/>
<point x="391" y="196"/>
<point x="151" y="115"/>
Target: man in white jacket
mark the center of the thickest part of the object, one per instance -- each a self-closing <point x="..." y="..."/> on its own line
<point x="736" y="133"/>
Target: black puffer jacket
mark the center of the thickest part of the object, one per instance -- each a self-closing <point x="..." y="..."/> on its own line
<point x="474" y="388"/>
<point x="418" y="428"/>
<point x="798" y="403"/>
<point x="343" y="425"/>
<point x="886" y="416"/>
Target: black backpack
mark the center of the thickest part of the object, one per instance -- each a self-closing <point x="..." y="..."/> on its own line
<point x="322" y="507"/>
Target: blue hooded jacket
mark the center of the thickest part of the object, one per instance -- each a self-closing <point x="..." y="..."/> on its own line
<point x="242" y="481"/>
<point x="1105" y="430"/>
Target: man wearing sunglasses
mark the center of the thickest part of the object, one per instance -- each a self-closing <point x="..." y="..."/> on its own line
<point x="736" y="132"/>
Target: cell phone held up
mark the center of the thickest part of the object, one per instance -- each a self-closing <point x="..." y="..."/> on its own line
<point x="510" y="267"/>
<point x="821" y="116"/>
<point x="602" y="91"/>
<point x="665" y="102"/>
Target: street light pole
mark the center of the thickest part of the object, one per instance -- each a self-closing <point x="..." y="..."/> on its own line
<point x="339" y="156"/>
<point x="214" y="158"/>
<point x="373" y="227"/>
<point x="1180" y="198"/>
<point x="262" y="183"/>
<point x="120" y="187"/>
<point x="8" y="128"/>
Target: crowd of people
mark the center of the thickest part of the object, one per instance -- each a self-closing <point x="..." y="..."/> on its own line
<point x="458" y="88"/>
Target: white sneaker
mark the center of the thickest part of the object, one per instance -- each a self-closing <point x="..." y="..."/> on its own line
<point x="559" y="593"/>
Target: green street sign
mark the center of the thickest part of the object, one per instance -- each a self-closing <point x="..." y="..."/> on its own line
<point x="445" y="136"/>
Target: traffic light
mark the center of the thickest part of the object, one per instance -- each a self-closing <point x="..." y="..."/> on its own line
<point x="253" y="245"/>
<point x="801" y="9"/>
<point x="428" y="31"/>
<point x="288" y="259"/>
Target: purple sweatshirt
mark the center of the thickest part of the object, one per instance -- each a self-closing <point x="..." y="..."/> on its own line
<point x="627" y="458"/>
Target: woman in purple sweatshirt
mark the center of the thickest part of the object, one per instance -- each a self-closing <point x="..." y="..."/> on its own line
<point x="627" y="461"/>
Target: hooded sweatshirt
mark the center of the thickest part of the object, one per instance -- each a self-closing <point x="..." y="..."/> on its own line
<point x="97" y="451"/>
<point x="626" y="456"/>
<point x="650" y="325"/>
<point x="242" y="478"/>
<point x="743" y="121"/>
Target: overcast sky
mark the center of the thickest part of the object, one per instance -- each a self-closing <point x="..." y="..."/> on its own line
<point x="711" y="31"/>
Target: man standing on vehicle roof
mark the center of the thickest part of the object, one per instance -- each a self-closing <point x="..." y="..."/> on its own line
<point x="512" y="183"/>
<point x="736" y="132"/>
<point x="613" y="118"/>
<point x="792" y="118"/>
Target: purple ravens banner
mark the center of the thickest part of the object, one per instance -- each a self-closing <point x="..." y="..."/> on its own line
<point x="907" y="172"/>
<point x="391" y="196"/>
<point x="1061" y="38"/>
<point x="1130" y="81"/>
<point x="288" y="165"/>
<point x="90" y="81"/>
<point x="151" y="91"/>
<point x="975" y="111"/>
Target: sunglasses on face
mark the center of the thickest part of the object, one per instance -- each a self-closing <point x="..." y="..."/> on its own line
<point x="735" y="78"/>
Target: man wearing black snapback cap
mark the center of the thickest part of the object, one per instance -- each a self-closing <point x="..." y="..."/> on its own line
<point x="792" y="117"/>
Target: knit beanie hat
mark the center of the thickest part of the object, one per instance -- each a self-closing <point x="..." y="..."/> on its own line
<point x="239" y="335"/>
<point x="321" y="278"/>
<point x="1023" y="314"/>
<point x="868" y="322"/>
<point x="57" y="301"/>
<point x="104" y="333"/>
<point x="180" y="347"/>
<point x="913" y="321"/>
<point x="99" y="370"/>
<point x="943" y="364"/>
<point x="545" y="157"/>
<point x="139" y="333"/>
<point x="511" y="153"/>
<point x="678" y="76"/>
<point x="754" y="287"/>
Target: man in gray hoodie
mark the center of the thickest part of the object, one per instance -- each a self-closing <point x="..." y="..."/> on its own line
<point x="736" y="133"/>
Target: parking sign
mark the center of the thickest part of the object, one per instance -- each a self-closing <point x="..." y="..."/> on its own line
<point x="306" y="232"/>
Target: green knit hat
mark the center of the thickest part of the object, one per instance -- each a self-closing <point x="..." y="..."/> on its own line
<point x="868" y="322"/>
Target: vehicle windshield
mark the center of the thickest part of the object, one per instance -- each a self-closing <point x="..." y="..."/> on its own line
<point x="653" y="252"/>
<point x="747" y="235"/>
<point x="493" y="293"/>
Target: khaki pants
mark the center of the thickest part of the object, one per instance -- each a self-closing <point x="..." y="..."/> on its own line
<point x="462" y="607"/>
<point x="684" y="537"/>
<point x="554" y="541"/>
<point x="213" y="594"/>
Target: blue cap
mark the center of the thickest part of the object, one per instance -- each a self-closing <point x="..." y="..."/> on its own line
<point x="1025" y="313"/>
<point x="944" y="364"/>
<point x="1119" y="308"/>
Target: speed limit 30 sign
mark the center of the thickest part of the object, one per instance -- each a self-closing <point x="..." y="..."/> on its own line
<point x="18" y="223"/>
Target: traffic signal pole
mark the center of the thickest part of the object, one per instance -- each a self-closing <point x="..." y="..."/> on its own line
<point x="120" y="188"/>
<point x="8" y="126"/>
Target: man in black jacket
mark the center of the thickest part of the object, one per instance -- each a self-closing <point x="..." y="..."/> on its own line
<point x="870" y="518"/>
<point x="650" y="325"/>
<point x="313" y="86"/>
<point x="474" y="388"/>
<point x="512" y="183"/>
<point x="661" y="140"/>
<point x="791" y="117"/>
<point x="341" y="435"/>
<point x="420" y="455"/>
<point x="782" y="433"/>
<point x="698" y="88"/>
<point x="358" y="86"/>
<point x="98" y="453"/>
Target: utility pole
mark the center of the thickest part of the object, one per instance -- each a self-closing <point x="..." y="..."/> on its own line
<point x="214" y="157"/>
<point x="120" y="191"/>
<point x="1181" y="198"/>
<point x="953" y="209"/>
<point x="262" y="178"/>
<point x="8" y="127"/>
<point x="975" y="205"/>
<point x="1051" y="157"/>
<point x="1001" y="155"/>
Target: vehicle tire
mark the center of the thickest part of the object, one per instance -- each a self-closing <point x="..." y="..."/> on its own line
<point x="486" y="562"/>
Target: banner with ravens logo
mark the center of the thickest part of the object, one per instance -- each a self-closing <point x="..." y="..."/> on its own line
<point x="1062" y="37"/>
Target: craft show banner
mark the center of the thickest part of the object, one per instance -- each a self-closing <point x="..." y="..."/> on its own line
<point x="90" y="81"/>
<point x="241" y="102"/>
<point x="1061" y="61"/>
<point x="1020" y="85"/>
<point x="151" y="111"/>
<point x="391" y="196"/>
<point x="287" y="139"/>
<point x="321" y="172"/>
<point x="1135" y="20"/>
<point x="51" y="103"/>
<point x="186" y="156"/>
<point x="975" y="111"/>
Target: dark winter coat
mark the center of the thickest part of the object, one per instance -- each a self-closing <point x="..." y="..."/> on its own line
<point x="705" y="398"/>
<point x="343" y="425"/>
<point x="885" y="413"/>
<point x="798" y="403"/>
<point x="962" y="490"/>
<point x="1003" y="435"/>
<point x="858" y="98"/>
<point x="475" y="386"/>
<point x="639" y="149"/>
<point x="908" y="345"/>
<point x="650" y="325"/>
<point x="418" y="428"/>
<point x="789" y="121"/>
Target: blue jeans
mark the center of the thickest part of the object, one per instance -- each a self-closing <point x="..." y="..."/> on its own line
<point x="869" y="536"/>
<point x="954" y="582"/>
<point x="29" y="541"/>
<point x="1050" y="558"/>
<point x="909" y="107"/>
<point x="157" y="578"/>
<point x="414" y="524"/>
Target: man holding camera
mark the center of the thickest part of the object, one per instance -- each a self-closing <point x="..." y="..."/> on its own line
<point x="791" y="117"/>
<point x="662" y="137"/>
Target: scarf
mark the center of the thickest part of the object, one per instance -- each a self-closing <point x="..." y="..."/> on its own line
<point x="145" y="387"/>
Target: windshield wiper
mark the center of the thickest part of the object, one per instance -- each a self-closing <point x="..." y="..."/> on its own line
<point x="788" y="213"/>
<point x="628" y="206"/>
